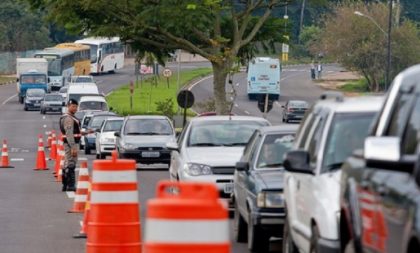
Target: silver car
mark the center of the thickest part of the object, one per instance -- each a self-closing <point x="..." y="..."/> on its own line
<point x="209" y="147"/>
<point x="105" y="138"/>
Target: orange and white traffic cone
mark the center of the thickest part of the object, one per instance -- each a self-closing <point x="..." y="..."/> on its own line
<point x="5" y="156"/>
<point x="84" y="222"/>
<point x="40" y="160"/>
<point x="59" y="156"/>
<point x="81" y="190"/>
<point x="49" y="140"/>
<point x="53" y="149"/>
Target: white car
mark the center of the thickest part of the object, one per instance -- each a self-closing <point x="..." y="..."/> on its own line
<point x="209" y="147"/>
<point x="105" y="138"/>
<point x="331" y="130"/>
<point x="81" y="79"/>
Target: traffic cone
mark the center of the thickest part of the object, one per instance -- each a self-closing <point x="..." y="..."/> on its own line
<point x="81" y="190"/>
<point x="114" y="220"/>
<point x="53" y="149"/>
<point x="59" y="156"/>
<point x="41" y="164"/>
<point x="49" y="140"/>
<point x="5" y="156"/>
<point x="84" y="222"/>
<point x="178" y="211"/>
<point x="60" y="170"/>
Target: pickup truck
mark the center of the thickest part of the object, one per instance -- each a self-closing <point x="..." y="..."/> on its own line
<point x="380" y="185"/>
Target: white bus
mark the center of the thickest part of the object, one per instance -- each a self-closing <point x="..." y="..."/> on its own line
<point x="106" y="54"/>
<point x="263" y="78"/>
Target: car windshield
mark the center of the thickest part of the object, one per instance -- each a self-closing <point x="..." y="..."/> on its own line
<point x="113" y="125"/>
<point x="273" y="149"/>
<point x="222" y="133"/>
<point x="347" y="134"/>
<point x="148" y="127"/>
<point x="84" y="79"/>
<point x="35" y="93"/>
<point x="86" y="121"/>
<point x="93" y="105"/>
<point x="97" y="121"/>
<point x="54" y="98"/>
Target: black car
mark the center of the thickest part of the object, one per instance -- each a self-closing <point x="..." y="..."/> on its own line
<point x="380" y="185"/>
<point x="52" y="102"/>
<point x="294" y="110"/>
<point x="258" y="187"/>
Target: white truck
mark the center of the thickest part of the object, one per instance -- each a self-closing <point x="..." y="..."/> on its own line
<point x="31" y="73"/>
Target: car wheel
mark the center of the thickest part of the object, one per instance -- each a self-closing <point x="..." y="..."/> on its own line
<point x="349" y="247"/>
<point x="288" y="244"/>
<point x="258" y="241"/>
<point x="25" y="108"/>
<point x="97" y="156"/>
<point x="239" y="226"/>
<point x="20" y="99"/>
<point x="87" y="150"/>
<point x="314" y="248"/>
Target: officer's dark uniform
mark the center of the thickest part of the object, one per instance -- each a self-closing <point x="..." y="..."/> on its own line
<point x="70" y="128"/>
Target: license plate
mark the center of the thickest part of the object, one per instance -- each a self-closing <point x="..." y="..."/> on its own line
<point x="228" y="188"/>
<point x="150" y="154"/>
<point x="37" y="104"/>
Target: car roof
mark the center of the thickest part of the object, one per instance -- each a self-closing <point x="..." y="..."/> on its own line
<point x="114" y="118"/>
<point x="284" y="128"/>
<point x="92" y="98"/>
<point x="352" y="104"/>
<point x="83" y="88"/>
<point x="146" y="117"/>
<point x="227" y="117"/>
<point x="102" y="113"/>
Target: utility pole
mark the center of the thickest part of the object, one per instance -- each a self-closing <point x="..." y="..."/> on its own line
<point x="388" y="65"/>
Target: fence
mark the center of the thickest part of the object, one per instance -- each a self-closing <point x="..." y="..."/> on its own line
<point x="8" y="60"/>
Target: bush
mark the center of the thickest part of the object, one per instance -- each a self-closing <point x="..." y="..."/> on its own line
<point x="166" y="107"/>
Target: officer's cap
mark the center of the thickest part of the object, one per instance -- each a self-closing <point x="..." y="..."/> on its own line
<point x="72" y="102"/>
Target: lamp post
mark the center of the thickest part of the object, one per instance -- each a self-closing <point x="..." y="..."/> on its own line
<point x="388" y="36"/>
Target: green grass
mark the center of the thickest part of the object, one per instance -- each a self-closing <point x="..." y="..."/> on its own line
<point x="147" y="94"/>
<point x="355" y="86"/>
<point x="5" y="79"/>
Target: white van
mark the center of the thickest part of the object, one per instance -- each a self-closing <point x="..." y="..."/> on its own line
<point x="80" y="90"/>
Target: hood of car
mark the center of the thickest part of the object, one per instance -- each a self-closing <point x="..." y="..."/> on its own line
<point x="108" y="135"/>
<point x="214" y="156"/>
<point x="34" y="98"/>
<point x="270" y="179"/>
<point x="148" y="140"/>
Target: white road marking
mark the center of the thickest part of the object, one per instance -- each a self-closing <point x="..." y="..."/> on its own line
<point x="10" y="98"/>
<point x="247" y="112"/>
<point x="70" y="195"/>
<point x="237" y="84"/>
<point x="17" y="159"/>
<point x="236" y="105"/>
<point x="199" y="81"/>
<point x="45" y="126"/>
<point x="43" y="117"/>
<point x="109" y="93"/>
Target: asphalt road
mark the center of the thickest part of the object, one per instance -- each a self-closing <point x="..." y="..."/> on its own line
<point x="33" y="210"/>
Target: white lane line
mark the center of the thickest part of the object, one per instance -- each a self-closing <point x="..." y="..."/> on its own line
<point x="109" y="93"/>
<point x="10" y="98"/>
<point x="70" y="195"/>
<point x="17" y="159"/>
<point x="236" y="105"/>
<point x="247" y="112"/>
<point x="199" y="81"/>
<point x="237" y="84"/>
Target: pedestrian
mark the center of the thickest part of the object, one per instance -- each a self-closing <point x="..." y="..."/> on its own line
<point x="313" y="70"/>
<point x="70" y="128"/>
<point x="319" y="70"/>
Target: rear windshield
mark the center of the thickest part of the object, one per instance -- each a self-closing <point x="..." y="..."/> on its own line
<point x="53" y="98"/>
<point x="148" y="127"/>
<point x="113" y="125"/>
<point x="93" y="105"/>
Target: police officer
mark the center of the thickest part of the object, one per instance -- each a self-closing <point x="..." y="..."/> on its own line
<point x="70" y="128"/>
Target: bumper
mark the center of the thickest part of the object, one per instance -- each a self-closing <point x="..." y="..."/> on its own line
<point x="147" y="157"/>
<point x="33" y="106"/>
<point x="52" y="108"/>
<point x="106" y="149"/>
<point x="328" y="246"/>
<point x="224" y="183"/>
<point x="294" y="116"/>
<point x="270" y="222"/>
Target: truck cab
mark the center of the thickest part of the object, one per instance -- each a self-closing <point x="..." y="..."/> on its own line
<point x="31" y="73"/>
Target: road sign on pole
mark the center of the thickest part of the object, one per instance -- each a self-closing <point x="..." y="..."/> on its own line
<point x="167" y="73"/>
<point x="265" y="104"/>
<point x="185" y="100"/>
<point x="131" y="94"/>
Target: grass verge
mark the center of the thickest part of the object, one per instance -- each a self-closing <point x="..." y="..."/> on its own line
<point x="355" y="86"/>
<point x="6" y="79"/>
<point x="148" y="94"/>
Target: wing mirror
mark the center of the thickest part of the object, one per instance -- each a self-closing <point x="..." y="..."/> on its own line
<point x="117" y="134"/>
<point x="242" y="166"/>
<point x="173" y="146"/>
<point x="297" y="161"/>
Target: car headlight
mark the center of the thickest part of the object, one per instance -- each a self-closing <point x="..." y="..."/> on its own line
<point x="129" y="146"/>
<point x="108" y="140"/>
<point x="195" y="169"/>
<point x="270" y="199"/>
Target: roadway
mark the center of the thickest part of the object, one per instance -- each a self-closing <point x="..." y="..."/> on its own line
<point x="33" y="210"/>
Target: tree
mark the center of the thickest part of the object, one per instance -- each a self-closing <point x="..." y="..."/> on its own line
<point x="215" y="29"/>
<point x="358" y="44"/>
<point x="20" y="29"/>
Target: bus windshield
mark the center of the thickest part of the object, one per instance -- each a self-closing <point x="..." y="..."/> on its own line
<point x="54" y="67"/>
<point x="93" y="53"/>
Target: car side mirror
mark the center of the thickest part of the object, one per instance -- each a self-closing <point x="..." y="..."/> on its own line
<point x="297" y="161"/>
<point x="173" y="146"/>
<point x="242" y="166"/>
<point x="17" y="79"/>
<point x="117" y="134"/>
<point x="98" y="130"/>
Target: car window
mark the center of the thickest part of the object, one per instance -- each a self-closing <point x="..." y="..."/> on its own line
<point x="148" y="127"/>
<point x="347" y="133"/>
<point x="273" y="149"/>
<point x="96" y="122"/>
<point x="306" y="128"/>
<point x="86" y="121"/>
<point x="412" y="133"/>
<point x="112" y="125"/>
<point x="399" y="115"/>
<point x="53" y="98"/>
<point x="254" y="150"/>
<point x="315" y="141"/>
<point x="251" y="143"/>
<point x="223" y="133"/>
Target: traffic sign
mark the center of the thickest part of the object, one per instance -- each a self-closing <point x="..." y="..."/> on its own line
<point x="167" y="73"/>
<point x="185" y="99"/>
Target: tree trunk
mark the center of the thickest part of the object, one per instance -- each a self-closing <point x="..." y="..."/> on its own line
<point x="220" y="72"/>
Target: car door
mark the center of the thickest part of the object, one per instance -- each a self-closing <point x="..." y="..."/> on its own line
<point x="242" y="179"/>
<point x="177" y="155"/>
<point x="394" y="191"/>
